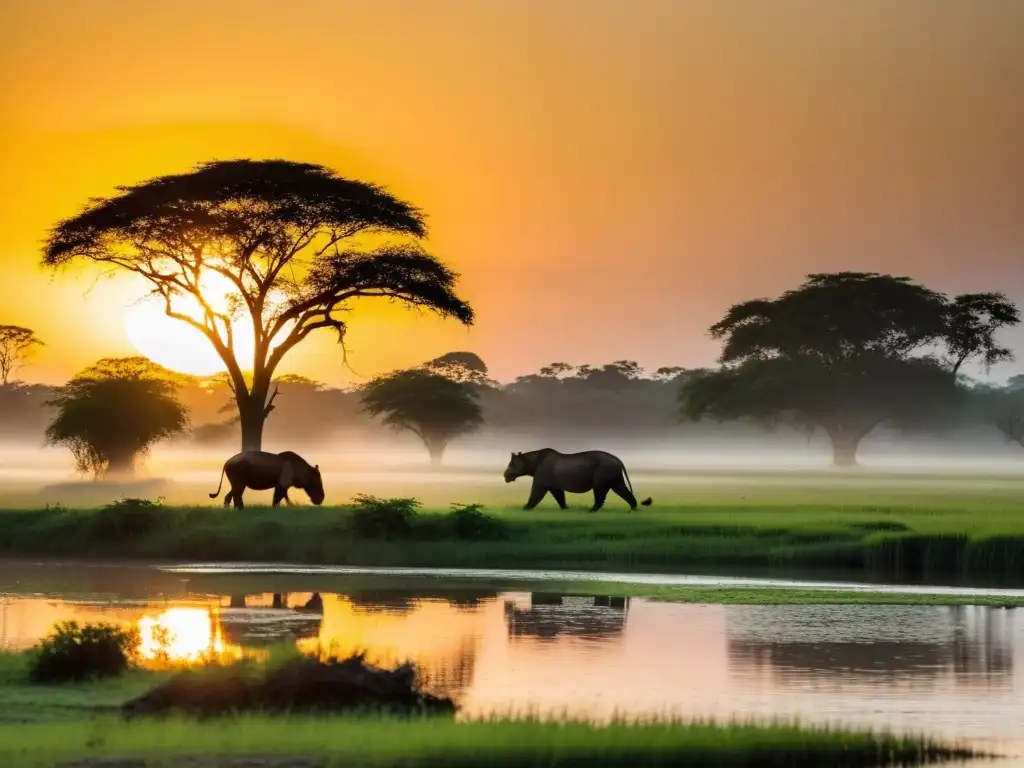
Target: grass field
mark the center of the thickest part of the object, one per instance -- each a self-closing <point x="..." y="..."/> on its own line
<point x="972" y="533"/>
<point x="388" y="742"/>
<point x="78" y="724"/>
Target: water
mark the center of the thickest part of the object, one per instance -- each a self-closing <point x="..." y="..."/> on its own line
<point x="952" y="672"/>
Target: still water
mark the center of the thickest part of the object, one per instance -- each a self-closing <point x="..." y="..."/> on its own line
<point x="953" y="672"/>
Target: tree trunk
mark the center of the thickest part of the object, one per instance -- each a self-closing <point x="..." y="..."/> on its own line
<point x="844" y="448"/>
<point x="436" y="450"/>
<point x="252" y="418"/>
<point x="121" y="465"/>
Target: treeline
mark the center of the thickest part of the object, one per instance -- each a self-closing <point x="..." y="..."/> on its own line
<point x="845" y="355"/>
<point x="619" y="396"/>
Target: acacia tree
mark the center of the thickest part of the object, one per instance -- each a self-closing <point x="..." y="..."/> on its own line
<point x="286" y="235"/>
<point x="113" y="412"/>
<point x="17" y="345"/>
<point x="845" y="353"/>
<point x="435" y="408"/>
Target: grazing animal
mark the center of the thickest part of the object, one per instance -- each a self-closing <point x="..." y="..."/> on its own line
<point x="261" y="471"/>
<point x="557" y="473"/>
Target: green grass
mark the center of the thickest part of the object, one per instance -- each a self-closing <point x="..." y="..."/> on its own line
<point x="22" y="702"/>
<point x="906" y="533"/>
<point x="421" y="742"/>
<point x="44" y="724"/>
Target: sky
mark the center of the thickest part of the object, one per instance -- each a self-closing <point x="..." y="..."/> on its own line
<point x="608" y="176"/>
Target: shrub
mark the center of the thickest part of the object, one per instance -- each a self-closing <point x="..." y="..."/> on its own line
<point x="129" y="518"/>
<point x="469" y="521"/>
<point x="375" y="518"/>
<point x="71" y="653"/>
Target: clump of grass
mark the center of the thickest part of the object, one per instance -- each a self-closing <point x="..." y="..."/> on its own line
<point x="73" y="653"/>
<point x="375" y="518"/>
<point x="469" y="521"/>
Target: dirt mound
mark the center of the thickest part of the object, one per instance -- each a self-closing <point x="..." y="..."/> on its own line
<point x="298" y="685"/>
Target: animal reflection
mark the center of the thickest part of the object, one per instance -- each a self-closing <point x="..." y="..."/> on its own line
<point x="257" y="626"/>
<point x="552" y="616"/>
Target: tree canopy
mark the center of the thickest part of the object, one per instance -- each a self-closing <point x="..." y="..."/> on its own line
<point x="297" y="242"/>
<point x="17" y="345"/>
<point x="846" y="352"/>
<point x="113" y="412"/>
<point x="434" y="407"/>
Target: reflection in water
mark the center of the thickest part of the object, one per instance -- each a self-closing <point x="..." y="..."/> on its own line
<point x="550" y="616"/>
<point x="950" y="672"/>
<point x="183" y="635"/>
<point x="827" y="645"/>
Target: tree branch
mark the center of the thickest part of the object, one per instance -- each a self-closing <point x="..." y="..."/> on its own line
<point x="270" y="403"/>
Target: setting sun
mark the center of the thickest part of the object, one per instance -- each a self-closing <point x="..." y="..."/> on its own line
<point x="181" y="348"/>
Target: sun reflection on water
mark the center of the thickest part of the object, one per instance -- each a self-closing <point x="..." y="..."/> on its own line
<point x="184" y="635"/>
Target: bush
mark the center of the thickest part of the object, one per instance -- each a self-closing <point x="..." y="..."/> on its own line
<point x="375" y="518"/>
<point x="469" y="521"/>
<point x="129" y="518"/>
<point x="71" y="653"/>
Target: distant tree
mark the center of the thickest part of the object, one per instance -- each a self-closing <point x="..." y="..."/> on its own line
<point x="613" y="376"/>
<point x="1003" y="408"/>
<point x="668" y="373"/>
<point x="17" y="345"/>
<point x="844" y="353"/>
<point x="113" y="412"/>
<point x="557" y="370"/>
<point x="464" y="367"/>
<point x="283" y="234"/>
<point x="433" y="407"/>
<point x="971" y="325"/>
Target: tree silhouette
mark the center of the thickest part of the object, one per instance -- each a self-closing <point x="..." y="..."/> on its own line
<point x="972" y="322"/>
<point x="464" y="367"/>
<point x="433" y="407"/>
<point x="845" y="352"/>
<point x="284" y="234"/>
<point x="17" y="345"/>
<point x="113" y="412"/>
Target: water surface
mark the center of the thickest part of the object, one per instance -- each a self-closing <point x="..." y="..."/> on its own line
<point x="953" y="672"/>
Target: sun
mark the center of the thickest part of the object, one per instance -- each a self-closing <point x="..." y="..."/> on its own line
<point x="179" y="347"/>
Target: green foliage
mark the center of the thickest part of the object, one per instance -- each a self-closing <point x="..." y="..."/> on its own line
<point x="113" y="412"/>
<point x="375" y="518"/>
<point x="469" y="521"/>
<point x="129" y="518"/>
<point x="433" y="406"/>
<point x="73" y="653"/>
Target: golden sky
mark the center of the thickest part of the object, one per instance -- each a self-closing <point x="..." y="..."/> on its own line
<point x="607" y="175"/>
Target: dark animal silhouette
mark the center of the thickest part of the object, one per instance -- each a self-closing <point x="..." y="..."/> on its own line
<point x="261" y="471"/>
<point x="557" y="473"/>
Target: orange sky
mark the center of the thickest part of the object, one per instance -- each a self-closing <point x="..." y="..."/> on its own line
<point x="608" y="175"/>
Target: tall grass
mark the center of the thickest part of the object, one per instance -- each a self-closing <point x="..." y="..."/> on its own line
<point x="957" y="536"/>
<point x="382" y="741"/>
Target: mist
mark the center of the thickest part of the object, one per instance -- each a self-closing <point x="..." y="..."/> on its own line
<point x="675" y="462"/>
